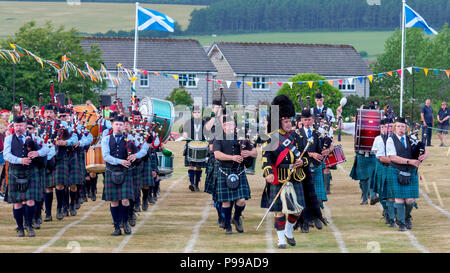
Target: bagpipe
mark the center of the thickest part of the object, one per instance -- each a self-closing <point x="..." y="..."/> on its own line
<point x="417" y="145"/>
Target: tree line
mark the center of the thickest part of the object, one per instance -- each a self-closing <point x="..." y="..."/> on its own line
<point x="172" y="2"/>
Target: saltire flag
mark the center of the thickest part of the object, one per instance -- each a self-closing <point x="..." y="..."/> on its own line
<point x="153" y="20"/>
<point x="413" y="19"/>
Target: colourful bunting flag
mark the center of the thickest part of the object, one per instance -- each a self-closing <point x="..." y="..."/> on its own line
<point x="249" y="84"/>
<point x="389" y="73"/>
<point x="409" y="70"/>
<point x="330" y="82"/>
<point x="310" y="84"/>
<point x="228" y="84"/>
<point x="175" y="77"/>
<point x="448" y="73"/>
<point x="238" y="84"/>
<point x="321" y="83"/>
<point x="280" y="83"/>
<point x="426" y="71"/>
<point x="399" y="72"/>
<point x="340" y="82"/>
<point x="370" y="78"/>
<point x="350" y="80"/>
<point x="380" y="75"/>
<point x="437" y="72"/>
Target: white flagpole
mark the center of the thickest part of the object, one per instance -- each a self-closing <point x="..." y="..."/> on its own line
<point x="135" y="55"/>
<point x="403" y="57"/>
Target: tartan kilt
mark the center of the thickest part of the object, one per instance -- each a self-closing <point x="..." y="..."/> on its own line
<point x="211" y="174"/>
<point x="363" y="167"/>
<point x="146" y="174"/>
<point x="317" y="178"/>
<point x="137" y="180"/>
<point x="224" y="194"/>
<point x="43" y="177"/>
<point x="381" y="181"/>
<point x="404" y="191"/>
<point x="76" y="173"/>
<point x="271" y="191"/>
<point x="113" y="192"/>
<point x="61" y="172"/>
<point x="34" y="191"/>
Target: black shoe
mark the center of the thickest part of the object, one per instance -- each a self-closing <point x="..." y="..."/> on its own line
<point x="222" y="223"/>
<point x="30" y="231"/>
<point x="191" y="187"/>
<point x="78" y="204"/>
<point x="48" y="218"/>
<point x="36" y="224"/>
<point x="116" y="232"/>
<point x="310" y="223"/>
<point x="132" y="219"/>
<point x="238" y="225"/>
<point x="408" y="223"/>
<point x="59" y="214"/>
<point x="137" y="208"/>
<point x="328" y="192"/>
<point x="364" y="203"/>
<point x="73" y="211"/>
<point x="126" y="229"/>
<point x="282" y="246"/>
<point x="391" y="223"/>
<point x="83" y="199"/>
<point x="305" y="228"/>
<point x="151" y="200"/>
<point x="156" y="197"/>
<point x="145" y="205"/>
<point x="94" y="197"/>
<point x="20" y="233"/>
<point x="402" y="227"/>
<point x="66" y="212"/>
<point x="290" y="241"/>
<point x="197" y="189"/>
<point x="228" y="230"/>
<point x="373" y="201"/>
<point x="318" y="223"/>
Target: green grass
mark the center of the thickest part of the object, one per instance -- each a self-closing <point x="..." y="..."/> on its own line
<point x="87" y="17"/>
<point x="372" y="42"/>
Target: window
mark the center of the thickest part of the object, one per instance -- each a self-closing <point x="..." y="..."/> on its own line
<point x="347" y="87"/>
<point x="109" y="82"/>
<point x="260" y="83"/>
<point x="187" y="80"/>
<point x="143" y="80"/>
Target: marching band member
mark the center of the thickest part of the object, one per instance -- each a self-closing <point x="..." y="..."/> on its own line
<point x="403" y="173"/>
<point x="23" y="175"/>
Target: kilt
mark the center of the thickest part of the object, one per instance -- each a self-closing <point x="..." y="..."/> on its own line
<point x="43" y="178"/>
<point x="137" y="180"/>
<point x="113" y="192"/>
<point x="34" y="191"/>
<point x="146" y="174"/>
<point x="363" y="167"/>
<point x="318" y="182"/>
<point x="211" y="172"/>
<point x="404" y="191"/>
<point x="76" y="173"/>
<point x="383" y="185"/>
<point x="224" y="194"/>
<point x="61" y="172"/>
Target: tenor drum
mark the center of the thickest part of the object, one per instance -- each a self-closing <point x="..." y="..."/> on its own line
<point x="197" y="151"/>
<point x="335" y="157"/>
<point x="94" y="160"/>
<point x="89" y="120"/>
<point x="165" y="163"/>
<point x="160" y="112"/>
<point x="367" y="128"/>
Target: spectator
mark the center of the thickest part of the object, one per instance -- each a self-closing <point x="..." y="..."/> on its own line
<point x="4" y="115"/>
<point x="3" y="126"/>
<point x="428" y="121"/>
<point x="443" y="119"/>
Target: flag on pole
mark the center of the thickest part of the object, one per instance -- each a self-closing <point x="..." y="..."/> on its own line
<point x="154" y="20"/>
<point x="413" y="19"/>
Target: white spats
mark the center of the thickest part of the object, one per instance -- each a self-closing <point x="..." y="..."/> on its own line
<point x="281" y="238"/>
<point x="288" y="230"/>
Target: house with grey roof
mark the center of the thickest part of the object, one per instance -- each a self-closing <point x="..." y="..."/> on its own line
<point x="264" y="63"/>
<point x="184" y="58"/>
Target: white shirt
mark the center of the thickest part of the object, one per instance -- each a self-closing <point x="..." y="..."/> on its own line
<point x="330" y="114"/>
<point x="378" y="146"/>
<point x="390" y="147"/>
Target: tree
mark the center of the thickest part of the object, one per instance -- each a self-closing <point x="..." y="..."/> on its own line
<point x="180" y="96"/>
<point x="331" y="94"/>
<point x="50" y="44"/>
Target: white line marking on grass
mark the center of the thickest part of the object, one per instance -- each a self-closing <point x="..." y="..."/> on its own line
<point x="411" y="237"/>
<point x="64" y="229"/>
<point x="422" y="178"/>
<point x="336" y="232"/>
<point x="430" y="202"/>
<point x="193" y="240"/>
<point x="269" y="240"/>
<point x="438" y="194"/>
<point x="147" y="215"/>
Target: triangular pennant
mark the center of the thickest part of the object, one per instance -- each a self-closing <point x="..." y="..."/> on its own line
<point x="270" y="83"/>
<point x="301" y="83"/>
<point x="330" y="82"/>
<point x="399" y="72"/>
<point x="380" y="75"/>
<point x="133" y="79"/>
<point x="228" y="84"/>
<point x="389" y="73"/>
<point x="437" y="72"/>
<point x="426" y="71"/>
<point x="310" y="83"/>
<point x="156" y="73"/>
<point x="370" y="78"/>
<point x="416" y="68"/>
<point x="249" y="84"/>
<point x="340" y="82"/>
<point x="175" y="77"/>
<point x="290" y="84"/>
<point x="208" y="80"/>
<point x="166" y="75"/>
<point x="350" y="80"/>
<point x="409" y="70"/>
<point x="360" y="79"/>
<point x="448" y="73"/>
<point x="196" y="81"/>
<point x="321" y="83"/>
<point x="238" y="84"/>
<point x="145" y="72"/>
<point x="219" y="82"/>
<point x="280" y="83"/>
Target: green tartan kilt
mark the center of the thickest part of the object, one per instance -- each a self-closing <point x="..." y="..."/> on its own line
<point x="146" y="174"/>
<point x="363" y="167"/>
<point x="76" y="173"/>
<point x="383" y="185"/>
<point x="404" y="191"/>
<point x="137" y="180"/>
<point x="318" y="182"/>
<point x="61" y="172"/>
<point x="34" y="190"/>
<point x="113" y="192"/>
<point x="211" y="175"/>
<point x="43" y="178"/>
<point x="271" y="191"/>
<point x="224" y="194"/>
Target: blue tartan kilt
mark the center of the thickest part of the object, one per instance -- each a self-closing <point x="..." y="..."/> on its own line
<point x="404" y="191"/>
<point x="363" y="167"/>
<point x="34" y="190"/>
<point x="271" y="191"/>
<point x="211" y="171"/>
<point x="76" y="174"/>
<point x="113" y="192"/>
<point x="61" y="172"/>
<point x="318" y="182"/>
<point x="137" y="179"/>
<point x="146" y="174"/>
<point x="382" y="185"/>
<point x="225" y="194"/>
<point x="43" y="177"/>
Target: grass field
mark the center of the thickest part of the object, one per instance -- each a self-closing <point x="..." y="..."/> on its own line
<point x="183" y="221"/>
<point x="87" y="17"/>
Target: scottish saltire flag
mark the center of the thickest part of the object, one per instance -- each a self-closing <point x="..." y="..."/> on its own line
<point x="413" y="19"/>
<point x="151" y="19"/>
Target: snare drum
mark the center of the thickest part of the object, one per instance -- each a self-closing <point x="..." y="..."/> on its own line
<point x="251" y="169"/>
<point x="335" y="157"/>
<point x="159" y="112"/>
<point x="197" y="151"/>
<point x="165" y="163"/>
<point x="367" y="128"/>
<point x="94" y="160"/>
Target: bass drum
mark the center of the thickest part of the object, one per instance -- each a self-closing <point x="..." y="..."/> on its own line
<point x="89" y="120"/>
<point x="160" y="112"/>
<point x="367" y="128"/>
